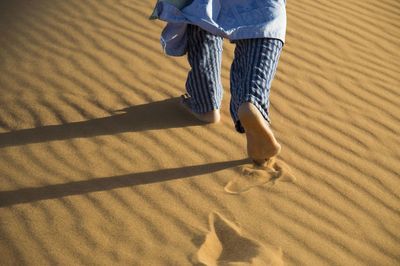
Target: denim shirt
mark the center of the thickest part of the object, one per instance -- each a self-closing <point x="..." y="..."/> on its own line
<point x="231" y="19"/>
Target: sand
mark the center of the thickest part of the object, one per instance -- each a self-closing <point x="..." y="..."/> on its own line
<point x="99" y="165"/>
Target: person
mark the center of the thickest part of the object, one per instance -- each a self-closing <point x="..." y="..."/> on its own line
<point x="257" y="28"/>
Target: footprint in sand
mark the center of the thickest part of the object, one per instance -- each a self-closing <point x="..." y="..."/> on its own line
<point x="226" y="245"/>
<point x="252" y="175"/>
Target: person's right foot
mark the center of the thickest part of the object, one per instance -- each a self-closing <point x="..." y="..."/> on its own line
<point x="261" y="142"/>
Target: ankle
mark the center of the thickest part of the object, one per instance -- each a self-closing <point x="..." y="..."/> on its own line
<point x="212" y="116"/>
<point x="247" y="111"/>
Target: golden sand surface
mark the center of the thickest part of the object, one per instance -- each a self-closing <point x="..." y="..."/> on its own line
<point x="99" y="165"/>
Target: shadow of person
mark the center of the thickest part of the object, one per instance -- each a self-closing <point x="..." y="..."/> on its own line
<point x="26" y="195"/>
<point x="151" y="116"/>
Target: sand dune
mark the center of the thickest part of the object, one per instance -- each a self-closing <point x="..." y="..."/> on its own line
<point x="100" y="165"/>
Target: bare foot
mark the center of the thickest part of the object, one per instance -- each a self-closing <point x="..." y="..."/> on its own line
<point x="208" y="117"/>
<point x="261" y="143"/>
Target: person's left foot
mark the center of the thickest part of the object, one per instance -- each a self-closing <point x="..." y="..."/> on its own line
<point x="208" y="117"/>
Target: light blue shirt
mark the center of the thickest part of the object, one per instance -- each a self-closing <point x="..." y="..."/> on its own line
<point x="231" y="19"/>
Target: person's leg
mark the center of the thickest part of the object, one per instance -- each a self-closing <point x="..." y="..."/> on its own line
<point x="203" y="84"/>
<point x="252" y="72"/>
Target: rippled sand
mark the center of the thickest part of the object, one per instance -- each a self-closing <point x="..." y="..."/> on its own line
<point x="99" y="165"/>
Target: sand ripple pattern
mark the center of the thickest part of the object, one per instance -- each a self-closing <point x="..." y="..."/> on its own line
<point x="98" y="165"/>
